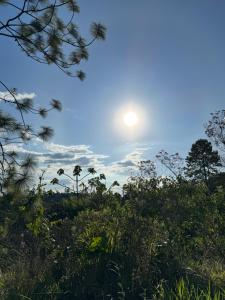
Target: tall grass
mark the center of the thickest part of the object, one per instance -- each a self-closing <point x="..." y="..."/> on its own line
<point x="185" y="291"/>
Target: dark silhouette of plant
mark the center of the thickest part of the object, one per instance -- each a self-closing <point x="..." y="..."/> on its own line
<point x="94" y="183"/>
<point x="39" y="30"/>
<point x="77" y="180"/>
<point x="97" y="185"/>
<point x="215" y="128"/>
<point x="14" y="170"/>
<point x="147" y="168"/>
<point x="173" y="162"/>
<point x="202" y="161"/>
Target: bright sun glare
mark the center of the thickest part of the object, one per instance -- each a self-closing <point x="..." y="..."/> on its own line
<point x="130" y="119"/>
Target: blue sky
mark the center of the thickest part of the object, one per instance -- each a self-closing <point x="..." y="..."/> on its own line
<point x="166" y="57"/>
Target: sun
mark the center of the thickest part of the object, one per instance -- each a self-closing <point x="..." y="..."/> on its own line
<point x="130" y="119"/>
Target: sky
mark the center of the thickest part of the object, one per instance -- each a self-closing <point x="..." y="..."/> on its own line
<point x="163" y="58"/>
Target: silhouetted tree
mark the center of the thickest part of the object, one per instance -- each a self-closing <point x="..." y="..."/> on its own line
<point x="173" y="162"/>
<point x="147" y="168"/>
<point x="215" y="128"/>
<point x="202" y="161"/>
<point x="78" y="181"/>
<point x="95" y="183"/>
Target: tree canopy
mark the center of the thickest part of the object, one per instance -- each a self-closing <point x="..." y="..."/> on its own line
<point x="202" y="161"/>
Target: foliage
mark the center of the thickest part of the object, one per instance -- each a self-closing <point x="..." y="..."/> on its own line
<point x="15" y="170"/>
<point x="173" y="162"/>
<point x="147" y="168"/>
<point x="215" y="128"/>
<point x="163" y="239"/>
<point x="202" y="161"/>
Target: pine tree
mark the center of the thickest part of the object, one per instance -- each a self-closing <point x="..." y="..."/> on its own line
<point x="37" y="27"/>
<point x="202" y="161"/>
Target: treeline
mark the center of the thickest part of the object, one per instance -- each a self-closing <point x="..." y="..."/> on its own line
<point x="162" y="238"/>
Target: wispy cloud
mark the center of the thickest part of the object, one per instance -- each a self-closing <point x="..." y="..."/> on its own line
<point x="76" y="149"/>
<point x="18" y="96"/>
<point x="51" y="156"/>
<point x="125" y="167"/>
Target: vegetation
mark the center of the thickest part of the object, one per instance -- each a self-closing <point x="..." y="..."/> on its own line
<point x="202" y="161"/>
<point x="162" y="239"/>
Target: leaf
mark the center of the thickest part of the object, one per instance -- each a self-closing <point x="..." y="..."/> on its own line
<point x="54" y="181"/>
<point x="60" y="172"/>
<point x="81" y="75"/>
<point x="91" y="171"/>
<point x="98" y="31"/>
<point x="77" y="170"/>
<point x="56" y="104"/>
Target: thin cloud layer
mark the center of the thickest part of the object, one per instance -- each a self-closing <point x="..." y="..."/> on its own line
<point x="19" y="96"/>
<point x="76" y="149"/>
<point x="51" y="157"/>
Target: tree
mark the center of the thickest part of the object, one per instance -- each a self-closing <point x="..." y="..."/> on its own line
<point x="37" y="27"/>
<point x="217" y="180"/>
<point x="173" y="162"/>
<point x="147" y="169"/>
<point x="215" y="128"/>
<point x="77" y="181"/>
<point x="202" y="161"/>
<point x="95" y="183"/>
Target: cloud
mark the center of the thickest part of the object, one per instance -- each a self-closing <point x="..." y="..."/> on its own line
<point x="51" y="156"/>
<point x="18" y="96"/>
<point x="126" y="166"/>
<point x="21" y="150"/>
<point x="58" y="156"/>
<point x="67" y="156"/>
<point x="136" y="155"/>
<point x="60" y="161"/>
<point x="82" y="161"/>
<point x="126" y="163"/>
<point x="76" y="149"/>
<point x="131" y="160"/>
<point x="70" y="155"/>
